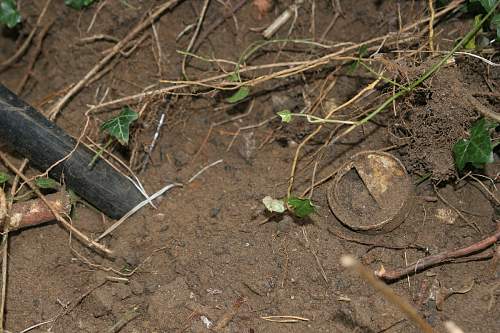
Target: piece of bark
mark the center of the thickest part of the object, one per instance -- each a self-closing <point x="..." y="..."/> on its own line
<point x="33" y="212"/>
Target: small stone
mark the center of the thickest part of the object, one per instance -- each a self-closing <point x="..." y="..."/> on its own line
<point x="285" y="224"/>
<point x="132" y="259"/>
<point x="137" y="288"/>
<point x="214" y="212"/>
<point x="104" y="302"/>
<point x="280" y="102"/>
<point x="150" y="287"/>
<point x="170" y="296"/>
<point x="122" y="291"/>
<point x="180" y="158"/>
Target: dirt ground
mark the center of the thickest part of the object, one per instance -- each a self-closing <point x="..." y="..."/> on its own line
<point x="205" y="256"/>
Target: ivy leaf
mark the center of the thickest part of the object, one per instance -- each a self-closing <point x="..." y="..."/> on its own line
<point x="78" y="4"/>
<point x="286" y="116"/>
<point x="495" y="23"/>
<point x="301" y="207"/>
<point x="3" y="178"/>
<point x="274" y="205"/>
<point x="488" y="4"/>
<point x="239" y="95"/>
<point x="9" y="14"/>
<point x="477" y="149"/>
<point x="471" y="44"/>
<point x="118" y="127"/>
<point x="44" y="182"/>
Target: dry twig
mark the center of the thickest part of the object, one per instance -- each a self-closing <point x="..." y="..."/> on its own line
<point x="387" y="293"/>
<point x="431" y="25"/>
<point x="39" y="41"/>
<point x="292" y="68"/>
<point x="52" y="113"/>
<point x="81" y="236"/>
<point x="229" y="315"/>
<point x="34" y="212"/>
<point x="195" y="35"/>
<point x="27" y="42"/>
<point x="440" y="258"/>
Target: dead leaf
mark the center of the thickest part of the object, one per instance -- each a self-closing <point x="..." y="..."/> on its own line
<point x="263" y="6"/>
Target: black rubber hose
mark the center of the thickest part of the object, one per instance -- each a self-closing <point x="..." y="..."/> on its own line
<point x="27" y="132"/>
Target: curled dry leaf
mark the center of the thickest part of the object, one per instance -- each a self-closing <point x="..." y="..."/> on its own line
<point x="263" y="6"/>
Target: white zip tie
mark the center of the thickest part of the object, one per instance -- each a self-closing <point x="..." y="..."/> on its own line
<point x="136" y="208"/>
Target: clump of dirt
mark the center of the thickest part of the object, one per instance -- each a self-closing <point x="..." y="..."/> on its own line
<point x="431" y="120"/>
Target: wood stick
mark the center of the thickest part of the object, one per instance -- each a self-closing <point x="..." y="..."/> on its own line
<point x="387" y="293"/>
<point x="27" y="42"/>
<point x="34" y="212"/>
<point x="52" y="113"/>
<point x="440" y="258"/>
<point x="81" y="236"/>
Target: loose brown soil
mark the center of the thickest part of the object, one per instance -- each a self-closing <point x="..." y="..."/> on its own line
<point x="204" y="253"/>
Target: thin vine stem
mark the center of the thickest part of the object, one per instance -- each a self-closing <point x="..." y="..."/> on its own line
<point x="403" y="91"/>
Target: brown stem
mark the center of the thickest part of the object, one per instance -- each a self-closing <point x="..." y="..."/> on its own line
<point x="34" y="212"/>
<point x="28" y="40"/>
<point x="106" y="59"/>
<point x="77" y="233"/>
<point x="437" y="259"/>
<point x="217" y="23"/>
<point x="38" y="50"/>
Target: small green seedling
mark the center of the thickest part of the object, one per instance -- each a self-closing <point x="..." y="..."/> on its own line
<point x="362" y="52"/>
<point x="241" y="93"/>
<point x="3" y="178"/>
<point x="78" y="4"/>
<point x="301" y="207"/>
<point x="477" y="149"/>
<point x="285" y="115"/>
<point x="47" y="183"/>
<point x="118" y="129"/>
<point x="298" y="206"/>
<point x="9" y="14"/>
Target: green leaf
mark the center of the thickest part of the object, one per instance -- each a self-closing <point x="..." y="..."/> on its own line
<point x="274" y="205"/>
<point x="118" y="127"/>
<point x="78" y="4"/>
<point x="301" y="207"/>
<point x="286" y="116"/>
<point x="44" y="182"/>
<point x="476" y="150"/>
<point x="9" y="14"/>
<point x="3" y="177"/>
<point x="471" y="44"/>
<point x="488" y="4"/>
<point x="234" y="77"/>
<point x="353" y="66"/>
<point x="362" y="51"/>
<point x="239" y="95"/>
<point x="495" y="23"/>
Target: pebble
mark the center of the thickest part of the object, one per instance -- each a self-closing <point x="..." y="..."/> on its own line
<point x="136" y="288"/>
<point x="214" y="212"/>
